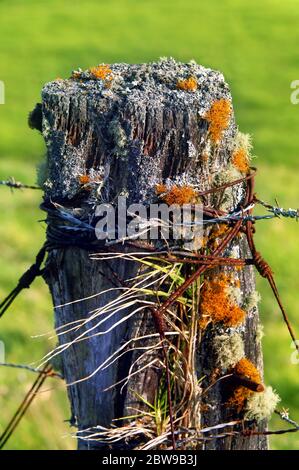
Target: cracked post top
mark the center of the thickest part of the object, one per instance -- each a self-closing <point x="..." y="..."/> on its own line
<point x="122" y="129"/>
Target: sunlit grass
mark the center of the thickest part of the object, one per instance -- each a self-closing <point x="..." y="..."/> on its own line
<point x="254" y="44"/>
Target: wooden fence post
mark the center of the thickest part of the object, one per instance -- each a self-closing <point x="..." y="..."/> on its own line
<point x="123" y="131"/>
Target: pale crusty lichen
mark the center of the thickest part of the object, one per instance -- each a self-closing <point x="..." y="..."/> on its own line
<point x="229" y="349"/>
<point x="229" y="174"/>
<point x="243" y="141"/>
<point x="259" y="332"/>
<point x="251" y="300"/>
<point x="260" y="406"/>
<point x="235" y="293"/>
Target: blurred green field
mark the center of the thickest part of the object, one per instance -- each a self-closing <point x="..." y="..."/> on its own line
<point x="255" y="44"/>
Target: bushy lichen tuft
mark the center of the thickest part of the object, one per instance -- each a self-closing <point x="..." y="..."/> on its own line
<point x="243" y="141"/>
<point x="260" y="406"/>
<point x="229" y="349"/>
<point x="102" y="72"/>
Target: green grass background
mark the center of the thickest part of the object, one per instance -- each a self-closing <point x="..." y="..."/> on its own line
<point x="255" y="44"/>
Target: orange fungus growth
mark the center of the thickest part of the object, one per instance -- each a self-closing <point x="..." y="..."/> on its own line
<point x="177" y="194"/>
<point x="84" y="179"/>
<point x="239" y="395"/>
<point x="189" y="84"/>
<point x="218" y="117"/>
<point x="102" y="72"/>
<point x="217" y="304"/>
<point x="240" y="160"/>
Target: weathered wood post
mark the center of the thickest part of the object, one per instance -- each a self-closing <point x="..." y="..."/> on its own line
<point x="141" y="131"/>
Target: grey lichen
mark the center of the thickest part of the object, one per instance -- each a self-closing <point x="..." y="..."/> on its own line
<point x="229" y="349"/>
<point x="119" y="138"/>
<point x="260" y="406"/>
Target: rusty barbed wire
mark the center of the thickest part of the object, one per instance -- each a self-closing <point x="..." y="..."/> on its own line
<point x="13" y="184"/>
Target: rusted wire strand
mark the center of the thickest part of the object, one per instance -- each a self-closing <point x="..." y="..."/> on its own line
<point x="11" y="427"/>
<point x="30" y="369"/>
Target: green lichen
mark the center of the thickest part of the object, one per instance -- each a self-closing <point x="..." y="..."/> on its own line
<point x="260" y="406"/>
<point x="235" y="294"/>
<point x="229" y="174"/>
<point x="229" y="349"/>
<point x="243" y="141"/>
<point x="251" y="300"/>
<point x="259" y="332"/>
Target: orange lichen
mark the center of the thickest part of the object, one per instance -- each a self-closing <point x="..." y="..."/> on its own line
<point x="205" y="241"/>
<point x="244" y="368"/>
<point x="217" y="232"/>
<point x="218" y="117"/>
<point x="217" y="305"/>
<point x="205" y="157"/>
<point x="84" y="179"/>
<point x="189" y="84"/>
<point x="102" y="72"/>
<point x="160" y="188"/>
<point x="177" y="194"/>
<point x="240" y="160"/>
